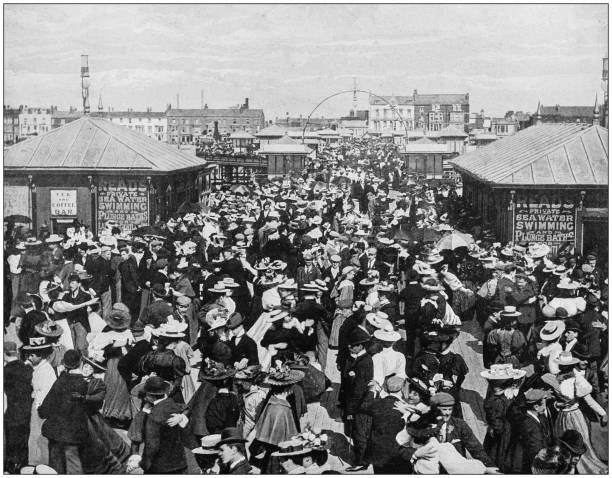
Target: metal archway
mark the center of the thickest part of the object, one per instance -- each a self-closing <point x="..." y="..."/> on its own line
<point x="353" y="91"/>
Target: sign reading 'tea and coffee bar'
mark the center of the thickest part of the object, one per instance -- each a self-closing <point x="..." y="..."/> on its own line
<point x="124" y="201"/>
<point x="545" y="217"/>
<point x="63" y="202"/>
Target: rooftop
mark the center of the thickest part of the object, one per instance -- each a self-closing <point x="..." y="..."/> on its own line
<point x="272" y="131"/>
<point x="96" y="144"/>
<point x="218" y="112"/>
<point x="442" y="99"/>
<point x="280" y="148"/>
<point x="452" y="131"/>
<point x="548" y="154"/>
<point x="567" y="111"/>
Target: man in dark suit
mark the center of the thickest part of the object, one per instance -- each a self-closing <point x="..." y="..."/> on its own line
<point x="130" y="282"/>
<point x="66" y="417"/>
<point x="359" y="372"/>
<point x="18" y="392"/>
<point x="311" y="309"/>
<point x="532" y="432"/>
<point x="243" y="347"/>
<point x="232" y="453"/>
<point x="163" y="451"/>
<point x="237" y="267"/>
<point x="308" y="272"/>
<point x="331" y="274"/>
<point x="387" y="422"/>
<point x="99" y="267"/>
<point x="457" y="432"/>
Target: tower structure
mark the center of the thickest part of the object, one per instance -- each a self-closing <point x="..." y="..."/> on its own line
<point x="85" y="82"/>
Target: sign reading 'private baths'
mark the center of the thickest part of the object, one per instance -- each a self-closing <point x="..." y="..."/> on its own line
<point x="543" y="217"/>
<point x="125" y="201"/>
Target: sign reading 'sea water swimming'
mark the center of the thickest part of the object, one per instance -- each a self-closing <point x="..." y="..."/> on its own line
<point x="125" y="201"/>
<point x="544" y="217"/>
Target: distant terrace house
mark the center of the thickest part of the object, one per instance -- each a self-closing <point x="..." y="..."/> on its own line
<point x="34" y="121"/>
<point x="186" y="125"/>
<point x="567" y="114"/>
<point x="152" y="124"/>
<point x="11" y="125"/>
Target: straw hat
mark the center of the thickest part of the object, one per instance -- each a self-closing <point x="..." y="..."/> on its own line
<point x="387" y="334"/>
<point x="118" y="319"/>
<point x="281" y="375"/>
<point x="54" y="239"/>
<point x="568" y="284"/>
<point x="552" y="330"/>
<point x="49" y="328"/>
<point x="566" y="358"/>
<point x="208" y="445"/>
<point x="219" y="288"/>
<point x="432" y="285"/>
<point x="229" y="282"/>
<point x="37" y="343"/>
<point x="171" y="330"/>
<point x="502" y="372"/>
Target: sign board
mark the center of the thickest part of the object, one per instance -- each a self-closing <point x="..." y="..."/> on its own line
<point x="63" y="202"/>
<point x="125" y="201"/>
<point x="16" y="200"/>
<point x="545" y="217"/>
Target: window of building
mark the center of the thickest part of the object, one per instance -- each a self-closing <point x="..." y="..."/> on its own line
<point x="435" y="107"/>
<point x="456" y="107"/>
<point x="421" y="109"/>
<point x="377" y="113"/>
<point x="173" y="121"/>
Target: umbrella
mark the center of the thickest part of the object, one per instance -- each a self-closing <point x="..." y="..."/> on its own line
<point x="17" y="218"/>
<point x="147" y="231"/>
<point x="240" y="189"/>
<point x="455" y="240"/>
<point x="188" y="207"/>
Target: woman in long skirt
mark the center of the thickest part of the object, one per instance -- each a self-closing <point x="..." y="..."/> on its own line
<point x="343" y="293"/>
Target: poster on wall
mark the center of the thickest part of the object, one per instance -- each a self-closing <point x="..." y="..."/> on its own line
<point x="545" y="217"/>
<point x="125" y="201"/>
<point x="17" y="200"/>
<point x="63" y="202"/>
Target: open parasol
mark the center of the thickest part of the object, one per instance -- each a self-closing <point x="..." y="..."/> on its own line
<point x="18" y="218"/>
<point x="455" y="240"/>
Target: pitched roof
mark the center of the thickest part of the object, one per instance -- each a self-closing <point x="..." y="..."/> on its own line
<point x="567" y="111"/>
<point x="424" y="140"/>
<point x="442" y="99"/>
<point x="393" y="99"/>
<point x="96" y="144"/>
<point x="216" y="113"/>
<point x="281" y="148"/>
<point x="241" y="135"/>
<point x="452" y="131"/>
<point x="272" y="131"/>
<point x="547" y="154"/>
<point x="327" y="132"/>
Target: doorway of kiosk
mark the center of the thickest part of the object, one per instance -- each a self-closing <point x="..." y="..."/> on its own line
<point x="59" y="226"/>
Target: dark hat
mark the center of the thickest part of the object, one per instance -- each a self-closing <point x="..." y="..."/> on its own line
<point x="118" y="319"/>
<point x="250" y="373"/>
<point x="561" y="313"/>
<point x="156" y="386"/>
<point x="72" y="359"/>
<point x="231" y="435"/>
<point x="138" y="329"/>
<point x="37" y="343"/>
<point x="536" y="395"/>
<point x="581" y="351"/>
<point x="235" y="320"/>
<point x="358" y="336"/>
<point x="424" y="427"/>
<point x="159" y="290"/>
<point x="574" y="442"/>
<point x="74" y="278"/>
<point x="212" y="370"/>
<point x="573" y="325"/>
<point x="221" y="352"/>
<point x="282" y="375"/>
<point x="442" y="399"/>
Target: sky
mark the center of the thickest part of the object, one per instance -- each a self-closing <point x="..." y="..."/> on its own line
<point x="288" y="58"/>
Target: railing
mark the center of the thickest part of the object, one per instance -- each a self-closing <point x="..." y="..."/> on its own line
<point x="234" y="159"/>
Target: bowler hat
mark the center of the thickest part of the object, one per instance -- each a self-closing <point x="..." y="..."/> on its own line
<point x="156" y="386"/>
<point x="358" y="336"/>
<point x="230" y="435"/>
<point x="442" y="399"/>
<point x="235" y="320"/>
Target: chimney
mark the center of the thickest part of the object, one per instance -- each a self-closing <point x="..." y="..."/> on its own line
<point x="596" y="120"/>
<point x="538" y="115"/>
<point x="246" y="103"/>
<point x="414" y="94"/>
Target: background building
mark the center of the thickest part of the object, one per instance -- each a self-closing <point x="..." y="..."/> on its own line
<point x="385" y="113"/>
<point x="34" y="121"/>
<point x="11" y="125"/>
<point x="185" y="125"/>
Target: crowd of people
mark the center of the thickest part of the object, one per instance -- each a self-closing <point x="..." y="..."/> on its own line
<point x="198" y="343"/>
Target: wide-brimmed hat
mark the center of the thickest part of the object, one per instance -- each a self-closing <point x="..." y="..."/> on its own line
<point x="567" y="283"/>
<point x="302" y="444"/>
<point x="552" y="330"/>
<point x="572" y="325"/>
<point x="281" y="375"/>
<point x="566" y="358"/>
<point x="37" y="343"/>
<point x="539" y="250"/>
<point x="49" y="328"/>
<point x="358" y="336"/>
<point x="248" y="373"/>
<point x="171" y="330"/>
<point x="208" y="445"/>
<point x="277" y="314"/>
<point x="369" y="281"/>
<point x="560" y="270"/>
<point x="510" y="311"/>
<point x="97" y="366"/>
<point x="423" y="269"/>
<point x="54" y="239"/>
<point x="217" y="323"/>
<point x="118" y="319"/>
<point x="32" y="242"/>
<point x="434" y="258"/>
<point x="387" y="334"/>
<point x="288" y="284"/>
<point x="502" y="372"/>
<point x="432" y="285"/>
<point x="229" y="282"/>
<point x="212" y="370"/>
<point x="219" y="288"/>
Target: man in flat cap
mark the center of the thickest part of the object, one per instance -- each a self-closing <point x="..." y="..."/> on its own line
<point x="458" y="432"/>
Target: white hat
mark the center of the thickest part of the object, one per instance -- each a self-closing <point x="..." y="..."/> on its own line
<point x="503" y="372"/>
<point x="387" y="334"/>
<point x="552" y="330"/>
